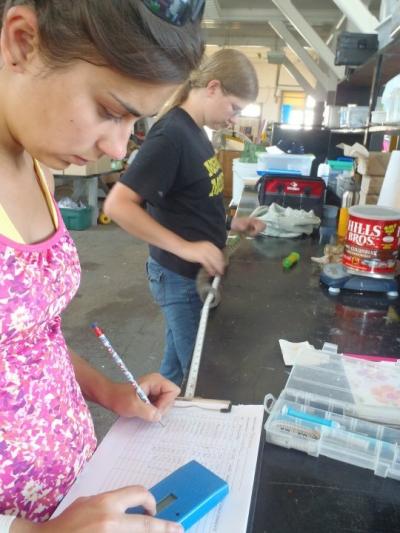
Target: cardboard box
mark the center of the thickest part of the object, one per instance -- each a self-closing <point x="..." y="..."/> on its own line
<point x="375" y="165"/>
<point x="372" y="199"/>
<point x="372" y="184"/>
<point x="104" y="165"/>
<point x="368" y="199"/>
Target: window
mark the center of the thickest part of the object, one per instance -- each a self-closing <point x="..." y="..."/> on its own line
<point x="297" y="109"/>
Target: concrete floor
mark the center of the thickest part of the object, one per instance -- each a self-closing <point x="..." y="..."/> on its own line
<point x="114" y="293"/>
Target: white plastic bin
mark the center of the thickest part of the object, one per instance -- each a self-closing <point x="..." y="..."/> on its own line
<point x="357" y="116"/>
<point x="354" y="116"/>
<point x="242" y="173"/>
<point x="289" y="163"/>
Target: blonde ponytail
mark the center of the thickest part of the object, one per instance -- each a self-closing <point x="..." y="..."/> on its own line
<point x="232" y="68"/>
<point x="179" y="96"/>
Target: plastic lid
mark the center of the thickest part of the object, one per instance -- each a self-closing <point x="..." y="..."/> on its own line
<point x="340" y="165"/>
<point x="375" y="212"/>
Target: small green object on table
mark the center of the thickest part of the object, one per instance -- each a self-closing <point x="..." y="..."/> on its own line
<point x="290" y="260"/>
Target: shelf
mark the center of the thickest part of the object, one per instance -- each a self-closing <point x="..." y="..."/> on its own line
<point x="362" y="75"/>
<point x="362" y="87"/>
<point x="349" y="131"/>
<point x="285" y="126"/>
<point x="372" y="128"/>
<point x="383" y="128"/>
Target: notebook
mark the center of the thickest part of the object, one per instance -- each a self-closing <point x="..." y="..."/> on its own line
<point x="137" y="452"/>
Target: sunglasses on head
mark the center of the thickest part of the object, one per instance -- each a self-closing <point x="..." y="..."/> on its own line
<point x="176" y="12"/>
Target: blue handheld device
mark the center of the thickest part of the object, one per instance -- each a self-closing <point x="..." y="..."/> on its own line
<point x="187" y="494"/>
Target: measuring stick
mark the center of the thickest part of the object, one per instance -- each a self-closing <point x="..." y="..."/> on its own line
<point x="198" y="345"/>
<point x="233" y="243"/>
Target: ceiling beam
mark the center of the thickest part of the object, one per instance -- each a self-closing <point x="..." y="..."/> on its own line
<point x="336" y="28"/>
<point x="280" y="28"/>
<point x="243" y="40"/>
<point x="309" y="34"/>
<point x="357" y="12"/>
<point x="314" y="16"/>
<point x="387" y="8"/>
<point x="279" y="58"/>
<point x="304" y="84"/>
<point x="212" y="10"/>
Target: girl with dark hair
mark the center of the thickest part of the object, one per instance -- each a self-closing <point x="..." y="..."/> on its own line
<point x="177" y="175"/>
<point x="74" y="77"/>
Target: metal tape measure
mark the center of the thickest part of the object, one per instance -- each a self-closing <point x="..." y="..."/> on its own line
<point x="198" y="346"/>
<point x="232" y="244"/>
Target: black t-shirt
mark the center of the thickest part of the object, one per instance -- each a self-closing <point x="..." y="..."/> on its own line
<point x="181" y="180"/>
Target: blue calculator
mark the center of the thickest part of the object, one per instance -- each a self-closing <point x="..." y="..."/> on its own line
<point x="187" y="494"/>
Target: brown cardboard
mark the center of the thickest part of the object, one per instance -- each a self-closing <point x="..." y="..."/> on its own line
<point x="368" y="199"/>
<point x="372" y="199"/>
<point x="375" y="165"/>
<point x="372" y="184"/>
<point x="101" y="166"/>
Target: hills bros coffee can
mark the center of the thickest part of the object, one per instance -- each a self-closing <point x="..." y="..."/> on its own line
<point x="372" y="241"/>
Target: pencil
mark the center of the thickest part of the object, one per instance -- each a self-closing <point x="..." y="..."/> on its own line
<point x="129" y="376"/>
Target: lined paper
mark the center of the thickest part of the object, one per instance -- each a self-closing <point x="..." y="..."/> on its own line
<point x="136" y="452"/>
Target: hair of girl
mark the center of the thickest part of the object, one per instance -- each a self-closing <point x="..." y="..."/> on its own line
<point x="121" y="34"/>
<point x="230" y="67"/>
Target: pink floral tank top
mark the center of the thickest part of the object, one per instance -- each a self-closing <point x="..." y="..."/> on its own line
<point x="46" y="431"/>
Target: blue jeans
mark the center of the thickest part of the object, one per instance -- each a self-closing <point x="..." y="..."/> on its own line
<point x="181" y="307"/>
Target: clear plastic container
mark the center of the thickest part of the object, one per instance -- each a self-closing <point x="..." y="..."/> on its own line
<point x="347" y="385"/>
<point x="340" y="407"/>
<point x="338" y="170"/>
<point x="243" y="173"/>
<point x="357" y="116"/>
<point x="317" y="432"/>
<point x="345" y="182"/>
<point x="354" y="116"/>
<point x="378" y="116"/>
<point x="285" y="163"/>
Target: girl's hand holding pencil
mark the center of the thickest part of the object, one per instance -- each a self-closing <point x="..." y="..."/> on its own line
<point x="160" y="391"/>
<point x="148" y="398"/>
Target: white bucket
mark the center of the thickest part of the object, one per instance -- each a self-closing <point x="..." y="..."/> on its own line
<point x="390" y="191"/>
<point x="242" y="173"/>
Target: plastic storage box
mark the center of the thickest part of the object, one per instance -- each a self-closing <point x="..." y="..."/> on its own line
<point x="340" y="407"/>
<point x="243" y="174"/>
<point x="354" y="116"/>
<point x="344" y="438"/>
<point x="357" y="116"/>
<point x="339" y="171"/>
<point x="77" y="219"/>
<point x="284" y="163"/>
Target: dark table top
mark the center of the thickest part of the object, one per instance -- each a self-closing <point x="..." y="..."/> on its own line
<point x="242" y="362"/>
